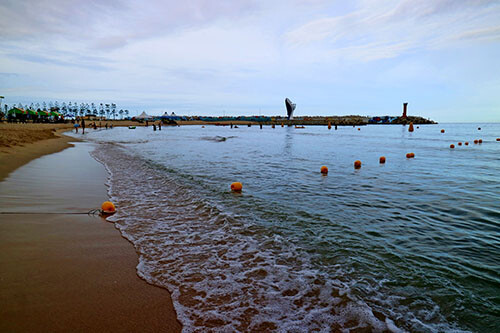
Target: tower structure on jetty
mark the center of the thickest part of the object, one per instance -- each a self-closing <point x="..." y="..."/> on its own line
<point x="405" y="106"/>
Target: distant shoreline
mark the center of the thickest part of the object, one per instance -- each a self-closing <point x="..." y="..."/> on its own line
<point x="20" y="143"/>
<point x="314" y="121"/>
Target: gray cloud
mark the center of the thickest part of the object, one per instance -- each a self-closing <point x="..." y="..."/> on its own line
<point x="424" y="9"/>
<point x="9" y="74"/>
<point x="491" y="33"/>
<point x="110" y="24"/>
<point x="58" y="62"/>
<point x="386" y="29"/>
<point x="109" y="43"/>
<point x="42" y="18"/>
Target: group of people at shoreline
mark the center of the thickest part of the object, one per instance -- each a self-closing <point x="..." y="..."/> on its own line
<point x="154" y="125"/>
<point x="81" y="123"/>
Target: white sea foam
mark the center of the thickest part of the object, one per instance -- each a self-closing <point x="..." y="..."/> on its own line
<point x="228" y="273"/>
<point x="221" y="271"/>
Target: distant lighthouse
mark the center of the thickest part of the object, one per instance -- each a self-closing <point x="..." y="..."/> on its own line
<point x="405" y="106"/>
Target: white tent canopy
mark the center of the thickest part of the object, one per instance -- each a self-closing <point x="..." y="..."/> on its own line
<point x="143" y="115"/>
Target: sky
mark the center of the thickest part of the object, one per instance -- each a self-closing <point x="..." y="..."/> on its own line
<point x="243" y="57"/>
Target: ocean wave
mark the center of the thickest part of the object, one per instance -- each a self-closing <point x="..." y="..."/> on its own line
<point x="223" y="272"/>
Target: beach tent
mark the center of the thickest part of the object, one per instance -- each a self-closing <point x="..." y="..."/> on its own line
<point x="43" y="113"/>
<point x="143" y="115"/>
<point x="17" y="111"/>
<point x="32" y="112"/>
<point x="55" y="113"/>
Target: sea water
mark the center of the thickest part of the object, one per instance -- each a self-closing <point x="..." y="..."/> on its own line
<point x="409" y="245"/>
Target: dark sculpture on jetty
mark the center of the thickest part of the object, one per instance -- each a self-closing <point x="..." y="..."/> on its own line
<point x="289" y="108"/>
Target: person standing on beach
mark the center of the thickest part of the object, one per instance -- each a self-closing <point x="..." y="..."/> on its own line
<point x="83" y="126"/>
<point x="159" y="126"/>
<point x="154" y="127"/>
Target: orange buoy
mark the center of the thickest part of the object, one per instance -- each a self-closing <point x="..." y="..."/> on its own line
<point x="410" y="155"/>
<point x="108" y="207"/>
<point x="329" y="125"/>
<point x="324" y="170"/>
<point x="476" y="141"/>
<point x="236" y="187"/>
<point x="359" y="129"/>
<point x="273" y="126"/>
<point x="357" y="164"/>
<point x="480" y="140"/>
<point x="382" y="159"/>
<point x="460" y="143"/>
<point x="452" y="146"/>
<point x="410" y="128"/>
<point x="498" y="139"/>
<point x="442" y="131"/>
<point x="466" y="143"/>
<point x="282" y="125"/>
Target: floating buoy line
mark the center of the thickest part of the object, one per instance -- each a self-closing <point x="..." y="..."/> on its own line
<point x="107" y="209"/>
<point x="92" y="212"/>
<point x="237" y="186"/>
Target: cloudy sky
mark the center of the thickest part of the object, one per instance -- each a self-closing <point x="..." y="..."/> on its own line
<point x="202" y="57"/>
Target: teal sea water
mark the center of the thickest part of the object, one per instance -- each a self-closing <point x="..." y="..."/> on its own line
<point x="411" y="245"/>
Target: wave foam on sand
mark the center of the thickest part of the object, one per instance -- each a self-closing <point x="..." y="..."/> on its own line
<point x="223" y="272"/>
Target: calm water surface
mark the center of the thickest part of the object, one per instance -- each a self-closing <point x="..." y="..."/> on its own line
<point x="412" y="245"/>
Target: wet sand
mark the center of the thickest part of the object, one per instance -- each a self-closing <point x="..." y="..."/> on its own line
<point x="65" y="272"/>
<point x="21" y="143"/>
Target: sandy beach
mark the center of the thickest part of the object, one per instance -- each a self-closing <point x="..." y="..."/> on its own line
<point x="62" y="271"/>
<point x="21" y="143"/>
